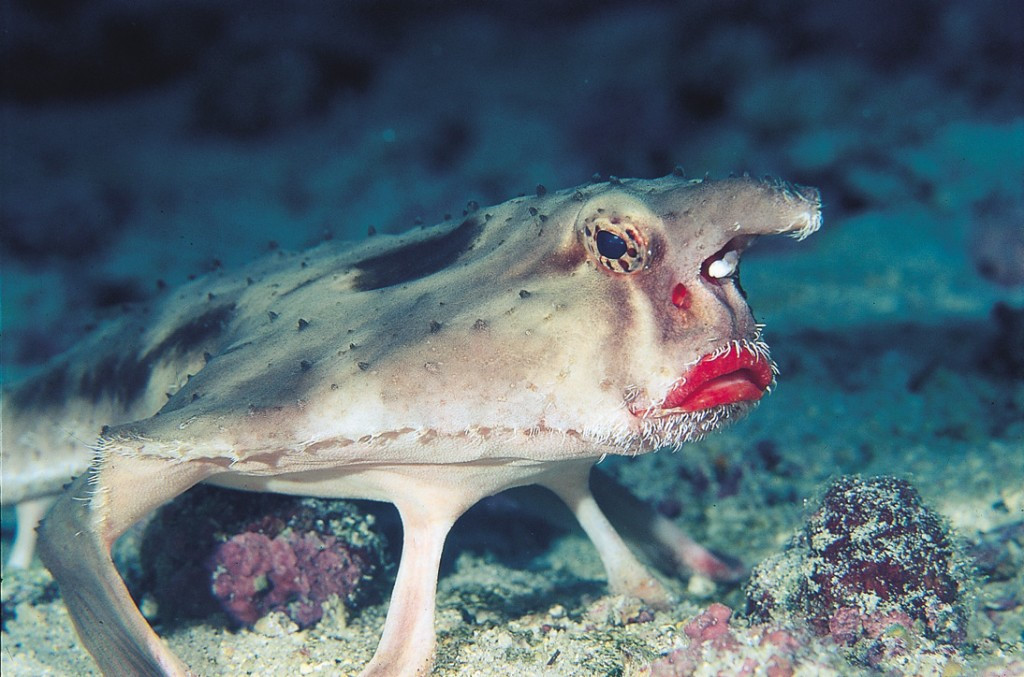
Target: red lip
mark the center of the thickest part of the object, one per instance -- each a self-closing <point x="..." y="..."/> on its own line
<point x="737" y="375"/>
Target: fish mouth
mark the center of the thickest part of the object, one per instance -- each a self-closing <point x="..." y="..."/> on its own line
<point x="739" y="372"/>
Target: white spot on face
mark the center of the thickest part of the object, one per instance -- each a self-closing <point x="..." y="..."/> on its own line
<point x="725" y="266"/>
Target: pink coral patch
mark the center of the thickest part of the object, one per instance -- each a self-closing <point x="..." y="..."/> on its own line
<point x="711" y="624"/>
<point x="292" y="572"/>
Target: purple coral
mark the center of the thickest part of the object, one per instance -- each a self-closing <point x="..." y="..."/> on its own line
<point x="710" y="638"/>
<point x="255" y="554"/>
<point x="293" y="572"/>
<point x="872" y="556"/>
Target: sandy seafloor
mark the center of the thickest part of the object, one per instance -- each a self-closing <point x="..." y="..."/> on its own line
<point x="147" y="144"/>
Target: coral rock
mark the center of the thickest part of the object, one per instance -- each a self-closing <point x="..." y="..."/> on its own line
<point x="255" y="555"/>
<point x="872" y="556"/>
<point x="710" y="625"/>
<point x="292" y="572"/>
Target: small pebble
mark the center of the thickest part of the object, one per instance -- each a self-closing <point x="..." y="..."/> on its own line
<point x="275" y="624"/>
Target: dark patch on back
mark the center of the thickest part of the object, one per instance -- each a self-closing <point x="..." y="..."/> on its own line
<point x="123" y="377"/>
<point x="196" y="332"/>
<point x="119" y="377"/>
<point x="417" y="259"/>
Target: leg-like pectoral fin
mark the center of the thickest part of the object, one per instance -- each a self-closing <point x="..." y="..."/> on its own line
<point x="661" y="540"/>
<point x="406" y="647"/>
<point x="626" y="575"/>
<point x="29" y="514"/>
<point x="75" y="540"/>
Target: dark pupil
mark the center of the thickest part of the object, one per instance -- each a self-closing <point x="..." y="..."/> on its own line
<point x="610" y="245"/>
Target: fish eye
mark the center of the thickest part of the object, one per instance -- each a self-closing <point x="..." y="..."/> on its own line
<point x="616" y="243"/>
<point x="610" y="245"/>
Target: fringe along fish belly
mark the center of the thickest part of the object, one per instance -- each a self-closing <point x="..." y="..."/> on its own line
<point x="516" y="346"/>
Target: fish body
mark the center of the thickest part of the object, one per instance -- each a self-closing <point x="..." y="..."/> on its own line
<point x="514" y="346"/>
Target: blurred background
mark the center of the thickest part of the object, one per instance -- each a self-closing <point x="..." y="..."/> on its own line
<point x="146" y="142"/>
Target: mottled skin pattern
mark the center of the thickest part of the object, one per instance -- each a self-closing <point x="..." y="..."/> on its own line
<point x="516" y="346"/>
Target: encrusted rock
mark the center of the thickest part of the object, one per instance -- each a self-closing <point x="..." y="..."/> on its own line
<point x="256" y="555"/>
<point x="872" y="556"/>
